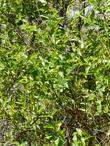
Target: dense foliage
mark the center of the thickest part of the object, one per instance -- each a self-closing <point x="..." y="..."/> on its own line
<point x="55" y="72"/>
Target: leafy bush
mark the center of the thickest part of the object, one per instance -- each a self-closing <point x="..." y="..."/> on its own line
<point x="54" y="73"/>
